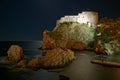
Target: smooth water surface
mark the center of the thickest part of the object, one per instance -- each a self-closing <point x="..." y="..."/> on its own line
<point x="79" y="69"/>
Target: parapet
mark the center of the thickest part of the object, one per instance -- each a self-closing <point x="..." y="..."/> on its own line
<point x="88" y="17"/>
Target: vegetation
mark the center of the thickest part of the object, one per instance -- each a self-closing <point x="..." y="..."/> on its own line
<point x="109" y="34"/>
<point x="109" y="29"/>
<point x="67" y="23"/>
<point x="76" y="32"/>
<point x="55" y="35"/>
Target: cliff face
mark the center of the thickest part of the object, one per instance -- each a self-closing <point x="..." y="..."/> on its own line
<point x="71" y="35"/>
<point x="105" y="38"/>
<point x="108" y="36"/>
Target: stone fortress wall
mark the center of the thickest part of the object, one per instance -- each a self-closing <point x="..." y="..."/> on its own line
<point x="88" y="17"/>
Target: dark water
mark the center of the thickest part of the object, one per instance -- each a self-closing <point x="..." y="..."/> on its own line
<point x="80" y="69"/>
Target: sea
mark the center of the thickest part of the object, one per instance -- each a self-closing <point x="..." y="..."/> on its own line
<point x="80" y="69"/>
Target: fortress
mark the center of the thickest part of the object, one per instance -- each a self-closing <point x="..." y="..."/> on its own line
<point x="88" y="17"/>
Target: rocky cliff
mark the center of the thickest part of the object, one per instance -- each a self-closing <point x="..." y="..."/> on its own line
<point x="71" y="35"/>
<point x="104" y="38"/>
<point x="107" y="39"/>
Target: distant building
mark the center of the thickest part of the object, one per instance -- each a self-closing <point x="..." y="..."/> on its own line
<point x="88" y="17"/>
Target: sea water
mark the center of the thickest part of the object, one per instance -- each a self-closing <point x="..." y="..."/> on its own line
<point x="80" y="69"/>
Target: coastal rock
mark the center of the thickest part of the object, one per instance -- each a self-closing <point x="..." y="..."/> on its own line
<point x="22" y="64"/>
<point x="4" y="60"/>
<point x="70" y="35"/>
<point x="35" y="63"/>
<point x="15" y="53"/>
<point x="48" y="42"/>
<point x="57" y="57"/>
<point x="53" y="58"/>
<point x="113" y="47"/>
<point x="99" y="49"/>
<point x="108" y="36"/>
<point x="76" y="45"/>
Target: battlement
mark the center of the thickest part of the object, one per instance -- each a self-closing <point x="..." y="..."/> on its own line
<point x="88" y="17"/>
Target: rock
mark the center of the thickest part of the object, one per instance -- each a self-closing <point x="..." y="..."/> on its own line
<point x="110" y="48"/>
<point x="35" y="63"/>
<point x="76" y="45"/>
<point x="57" y="57"/>
<point x="113" y="47"/>
<point x="48" y="42"/>
<point x="54" y="58"/>
<point x="99" y="49"/>
<point x="80" y="34"/>
<point x="108" y="36"/>
<point x="22" y="64"/>
<point x="15" y="53"/>
<point x="4" y="60"/>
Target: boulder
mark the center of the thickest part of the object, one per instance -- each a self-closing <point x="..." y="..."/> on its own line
<point x="99" y="49"/>
<point x="22" y="64"/>
<point x="53" y="58"/>
<point x="57" y="57"/>
<point x="15" y="53"/>
<point x="35" y="63"/>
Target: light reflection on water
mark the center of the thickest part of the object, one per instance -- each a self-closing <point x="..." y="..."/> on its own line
<point x="79" y="69"/>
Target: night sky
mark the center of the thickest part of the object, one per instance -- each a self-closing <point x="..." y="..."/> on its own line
<point x="26" y="19"/>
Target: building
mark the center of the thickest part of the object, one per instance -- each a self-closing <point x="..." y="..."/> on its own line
<point x="88" y="17"/>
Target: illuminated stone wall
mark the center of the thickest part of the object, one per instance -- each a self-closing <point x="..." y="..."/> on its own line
<point x="88" y="17"/>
